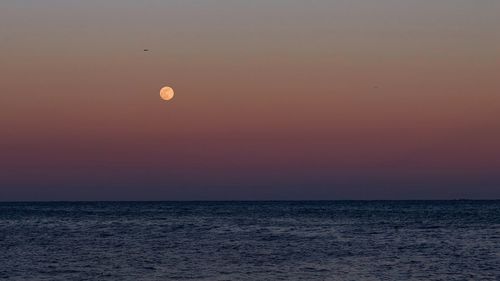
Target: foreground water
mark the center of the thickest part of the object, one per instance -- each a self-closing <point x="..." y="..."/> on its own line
<point x="386" y="240"/>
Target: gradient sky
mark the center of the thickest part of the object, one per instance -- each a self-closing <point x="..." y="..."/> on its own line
<point x="283" y="99"/>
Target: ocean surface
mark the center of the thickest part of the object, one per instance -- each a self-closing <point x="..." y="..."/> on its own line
<point x="325" y="240"/>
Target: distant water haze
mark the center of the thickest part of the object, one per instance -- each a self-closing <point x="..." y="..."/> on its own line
<point x="274" y="99"/>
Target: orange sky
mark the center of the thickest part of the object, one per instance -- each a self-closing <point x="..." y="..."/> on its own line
<point x="274" y="99"/>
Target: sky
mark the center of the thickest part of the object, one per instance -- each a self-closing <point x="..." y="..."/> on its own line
<point x="275" y="99"/>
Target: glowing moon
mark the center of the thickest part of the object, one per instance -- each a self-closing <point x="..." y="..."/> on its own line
<point x="167" y="93"/>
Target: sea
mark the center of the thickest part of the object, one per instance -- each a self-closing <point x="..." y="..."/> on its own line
<point x="264" y="240"/>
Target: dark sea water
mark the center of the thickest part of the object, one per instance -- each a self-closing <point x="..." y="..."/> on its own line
<point x="356" y="240"/>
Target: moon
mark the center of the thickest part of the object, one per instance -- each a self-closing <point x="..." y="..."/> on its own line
<point x="167" y="93"/>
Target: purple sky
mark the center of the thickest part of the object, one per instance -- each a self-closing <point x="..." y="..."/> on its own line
<point x="281" y="99"/>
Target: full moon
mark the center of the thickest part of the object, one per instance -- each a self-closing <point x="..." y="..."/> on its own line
<point x="167" y="93"/>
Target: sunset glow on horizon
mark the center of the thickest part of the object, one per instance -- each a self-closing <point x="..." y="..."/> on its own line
<point x="277" y="100"/>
